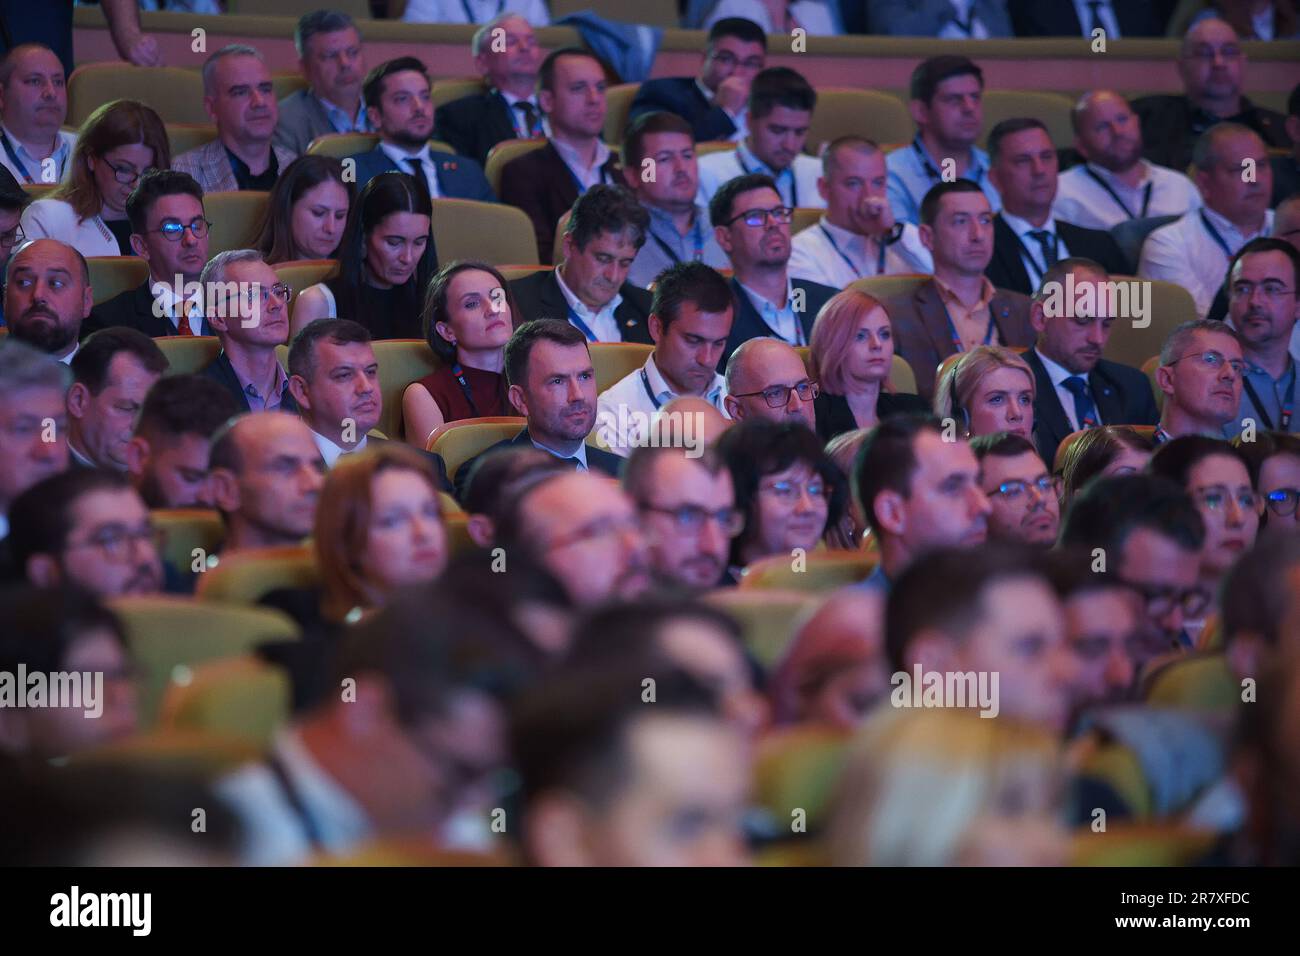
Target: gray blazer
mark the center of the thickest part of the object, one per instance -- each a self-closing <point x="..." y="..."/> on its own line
<point x="210" y="166"/>
<point x="302" y="119"/>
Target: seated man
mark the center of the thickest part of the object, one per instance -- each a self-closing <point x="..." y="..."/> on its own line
<point x="168" y="456"/>
<point x="1201" y="372"/>
<point x="333" y="62"/>
<point x="714" y="102"/>
<point x="690" y="320"/>
<point x="170" y="232"/>
<point x="47" y="296"/>
<point x="112" y="373"/>
<point x="88" y="528"/>
<point x="767" y="380"/>
<point x="781" y="105"/>
<point x="266" y="476"/>
<point x="32" y="389"/>
<point x="606" y="228"/>
<point x="34" y="92"/>
<point x="1267" y="325"/>
<point x="399" y="107"/>
<point x="1022" y="492"/>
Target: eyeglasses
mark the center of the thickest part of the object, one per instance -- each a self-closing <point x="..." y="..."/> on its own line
<point x="115" y="541"/>
<point x="174" y="231"/>
<point x="1161" y="600"/>
<point x="1215" y="360"/>
<point x="13" y="237"/>
<point x="1044" y="486"/>
<point x="1282" y="501"/>
<point x="1271" y="290"/>
<point x="759" y="217"/>
<point x="279" y="289"/>
<point x="791" y="490"/>
<point x="599" y="528"/>
<point x="729" y="60"/>
<point x="779" y="395"/>
<point x="126" y="175"/>
<point x="1216" y="499"/>
<point x="690" y="519"/>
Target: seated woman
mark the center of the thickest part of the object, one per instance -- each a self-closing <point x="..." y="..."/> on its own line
<point x="1274" y="459"/>
<point x="847" y="535"/>
<point x="1109" y="450"/>
<point x="788" y="489"/>
<point x="852" y="348"/>
<point x="988" y="389"/>
<point x="467" y="322"/>
<point x="385" y="260"/>
<point x="115" y="147"/>
<point x="306" y="212"/>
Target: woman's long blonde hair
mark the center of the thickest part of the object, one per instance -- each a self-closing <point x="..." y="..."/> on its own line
<point x="969" y="370"/>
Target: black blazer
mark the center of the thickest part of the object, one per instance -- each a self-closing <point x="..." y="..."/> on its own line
<point x="433" y="458"/>
<point x="1007" y="271"/>
<point x="598" y="461"/>
<point x="538" y="296"/>
<point x="1057" y="18"/>
<point x="473" y="124"/>
<point x="134" y="310"/>
<point x="834" y="417"/>
<point x="748" y="324"/>
<point x="1171" y="125"/>
<point x="681" y="95"/>
<point x="541" y="185"/>
<point x="223" y="373"/>
<point x="1122" y="394"/>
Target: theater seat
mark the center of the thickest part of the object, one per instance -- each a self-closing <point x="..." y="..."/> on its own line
<point x="1170" y="306"/>
<point x="186" y="354"/>
<point x="457" y="442"/>
<point x="183" y="137"/>
<point x="1200" y="681"/>
<point x="401" y="362"/>
<point x="614" y="361"/>
<point x="1058" y="462"/>
<point x="175" y="94"/>
<point x="805" y="218"/>
<point x="235" y="217"/>
<point x="1118" y="768"/>
<point x="654" y="13"/>
<point x="185" y="529"/>
<point x="713" y="146"/>
<point x="243" y="698"/>
<point x="410" y="851"/>
<point x="890" y="287"/>
<point x="843" y="112"/>
<point x="110" y="275"/>
<point x="618" y="99"/>
<point x="1052" y="108"/>
<point x="502" y="153"/>
<point x="768" y="618"/>
<point x="822" y="571"/>
<point x="39" y="190"/>
<point x="286" y="84"/>
<point x="486" y="231"/>
<point x="1140" y="844"/>
<point x="356" y="9"/>
<point x="798" y="768"/>
<point x="247" y="577"/>
<point x="455" y="88"/>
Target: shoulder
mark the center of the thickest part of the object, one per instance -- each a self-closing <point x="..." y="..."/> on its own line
<point x="641" y="298"/>
<point x="815" y="290"/>
<point x="722" y="159"/>
<point x="532" y="285"/>
<point x="1121" y="373"/>
<point x="296" y="104"/>
<point x="283" y="155"/>
<point x="51" y="214"/>
<point x="198" y="155"/>
<point x="1159" y="103"/>
<point x="621" y="390"/>
<point x="467" y="104"/>
<point x="454" y="162"/>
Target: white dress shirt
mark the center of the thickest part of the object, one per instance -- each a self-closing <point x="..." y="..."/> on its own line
<point x="835" y="257"/>
<point x="1032" y="253"/>
<point x="479" y="11"/>
<point x="1083" y="201"/>
<point x="67" y="359"/>
<point x="588" y="176"/>
<point x="402" y="159"/>
<point x="625" y="409"/>
<point x="1058" y="374"/>
<point x="602" y="323"/>
<point x="1185" y="253"/>
<point x="797" y="183"/>
<point x="782" y="321"/>
<point x="332" y="452"/>
<point x="30" y="169"/>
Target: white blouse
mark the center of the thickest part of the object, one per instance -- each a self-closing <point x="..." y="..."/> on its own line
<point x="55" y="219"/>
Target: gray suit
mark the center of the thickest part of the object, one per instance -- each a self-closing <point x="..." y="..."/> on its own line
<point x="302" y="119"/>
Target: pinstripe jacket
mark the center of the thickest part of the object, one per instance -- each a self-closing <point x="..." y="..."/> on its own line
<point x="210" y="166"/>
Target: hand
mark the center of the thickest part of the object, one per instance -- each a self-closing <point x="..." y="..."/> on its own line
<point x="733" y="95"/>
<point x="877" y="215"/>
<point x="142" y="50"/>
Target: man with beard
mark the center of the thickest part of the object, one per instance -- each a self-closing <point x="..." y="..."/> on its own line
<point x="48" y="296"/>
<point x="168" y="456"/>
<point x="399" y="105"/>
<point x="1263" y="308"/>
<point x="1115" y="184"/>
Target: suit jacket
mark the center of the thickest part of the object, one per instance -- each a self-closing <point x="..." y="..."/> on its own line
<point x="1006" y="270"/>
<point x="747" y="324"/>
<point x="134" y="310"/>
<point x="834" y="417"/>
<point x="458" y="176"/>
<point x="302" y="119"/>
<point x="473" y="124"/>
<point x="922" y="335"/>
<point x="542" y="185"/>
<point x="1057" y="18"/>
<point x="210" y="166"/>
<point x="1171" y="125"/>
<point x="927" y="17"/>
<point x="681" y="95"/>
<point x="538" y="296"/>
<point x="223" y="373"/>
<point x="598" y="461"/>
<point x="1122" y="395"/>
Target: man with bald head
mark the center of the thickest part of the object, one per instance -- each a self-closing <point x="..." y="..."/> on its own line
<point x="707" y="422"/>
<point x="1114" y="183"/>
<point x="48" y="296"/>
<point x="766" y="379"/>
<point x="266" y="474"/>
<point x="1211" y="65"/>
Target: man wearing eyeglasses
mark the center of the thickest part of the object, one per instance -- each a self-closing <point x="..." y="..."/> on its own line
<point x="170" y="232"/>
<point x="767" y="380"/>
<point x="1022" y="493"/>
<point x="1201" y="369"/>
<point x="1263" y="307"/>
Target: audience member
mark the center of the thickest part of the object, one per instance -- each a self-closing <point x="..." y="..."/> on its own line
<point x="111" y="375"/>
<point x="1201" y="371"/>
<point x="1101" y="452"/>
<point x="306" y="212"/>
<point x="767" y="380"/>
<point x="1286" y="168"/>
<point x="33" y="107"/>
<point x="849" y="534"/>
<point x="1253" y="600"/>
<point x="167" y="458"/>
<point x="32" y="409"/>
<point x="334" y="378"/>
<point x="1065" y="18"/>
<point x="1266" y="324"/>
<point x="988" y="390"/>
<point x="333" y="62"/>
<point x="494" y="481"/>
<point x="47" y="296"/>
<point x="1023" y="495"/>
<point x="814" y="17"/>
<point x="945" y="19"/>
<point x="1274" y="459"/>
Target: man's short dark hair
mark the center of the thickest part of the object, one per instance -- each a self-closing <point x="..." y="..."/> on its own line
<point x="40" y="519"/>
<point x="501" y="475"/>
<point x="302" y="353"/>
<point x="720" y="206"/>
<point x="649" y="124"/>
<point x="694" y="282"/>
<point x="519" y="349"/>
<point x="318" y="22"/>
<point x="638" y="478"/>
<point x="930" y="73"/>
<point x="1009" y="127"/>
<point x="780" y="86"/>
<point x="887" y="460"/>
<point x="1108" y="510"/>
<point x="604" y="208"/>
<point x="744" y="30"/>
<point x="546" y="73"/>
<point x="1073" y="574"/>
<point x="372" y="91"/>
<point x="185" y="405"/>
<point x="1267" y="244"/>
<point x="930" y="204"/>
<point x="13" y="198"/>
<point x="154" y="185"/>
<point x="42" y="625"/>
<point x="1001" y="445"/>
<point x="90" y="364"/>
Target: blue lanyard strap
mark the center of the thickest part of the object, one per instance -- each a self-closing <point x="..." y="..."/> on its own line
<point x="645" y="380"/>
<point x="13" y="156"/>
<point x="880" y="259"/>
<point x="697" y="242"/>
<point x="956" y="339"/>
<point x="1146" y="195"/>
<point x="1214" y="234"/>
<point x="581" y="325"/>
<point x="459" y="374"/>
<point x="1288" y="403"/>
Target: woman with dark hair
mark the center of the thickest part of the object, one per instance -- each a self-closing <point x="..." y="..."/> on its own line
<point x="468" y="312"/>
<point x="1274" y="459"/>
<point x="1111" y="450"/>
<point x="385" y="259"/>
<point x="115" y="147"/>
<point x="786" y="486"/>
<point x="306" y="212"/>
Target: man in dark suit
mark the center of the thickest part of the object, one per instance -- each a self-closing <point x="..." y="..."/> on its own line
<point x="545" y="182"/>
<point x="1060" y="18"/>
<point x="606" y="229"/>
<point x="714" y="102"/>
<point x="1026" y="239"/>
<point x="752" y="226"/>
<point x="1075" y="387"/>
<point x="170" y="232"/>
<point x="508" y="108"/>
<point x="399" y="107"/>
<point x="553" y="386"/>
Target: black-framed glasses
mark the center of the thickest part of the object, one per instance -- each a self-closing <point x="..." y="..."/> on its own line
<point x="1215" y="360"/>
<point x="1272" y="289"/>
<point x="1282" y="501"/>
<point x="1160" y="600"/>
<point x="777" y="396"/>
<point x="126" y="175"/>
<point x="115" y="541"/>
<point x="13" y="237"/>
<point x="1216" y="498"/>
<point x="754" y="218"/>
<point x="690" y="519"/>
<point x="174" y="231"/>
<point x="1046" y="486"/>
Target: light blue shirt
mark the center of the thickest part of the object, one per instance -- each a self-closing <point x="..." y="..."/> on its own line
<point x="913" y="171"/>
<point x="783" y="321"/>
<point x="580" y="454"/>
<point x="1272" y="394"/>
<point x="340" y="120"/>
<point x="665" y="246"/>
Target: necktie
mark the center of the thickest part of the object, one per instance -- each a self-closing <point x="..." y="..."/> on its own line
<point x="417" y="170"/>
<point x="1085" y="412"/>
<point x="573" y="463"/>
<point x="531" y="127"/>
<point x="1048" y="242"/>
<point x="183" y="318"/>
<point x="1094" y="16"/>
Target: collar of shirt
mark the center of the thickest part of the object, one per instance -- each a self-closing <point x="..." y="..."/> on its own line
<point x="59" y="155"/>
<point x="336" y="814"/>
<point x="751" y="162"/>
<point x="763" y="305"/>
<point x="400" y="156"/>
<point x="704" y="90"/>
<point x="987" y="291"/>
<point x="975" y="172"/>
<point x="1057" y="373"/>
<point x="662" y="225"/>
<point x="1233" y="236"/>
<point x="67" y="359"/>
<point x="339" y="118"/>
<point x="580" y="454"/>
<point x="850" y="243"/>
<point x="586" y="174"/>
<point x="332" y="452"/>
<point x="664" y="393"/>
<point x="277" y="390"/>
<point x="79" y="458"/>
<point x="581" y="307"/>
<point x="244" y="174"/>
<point x="1023" y="227"/>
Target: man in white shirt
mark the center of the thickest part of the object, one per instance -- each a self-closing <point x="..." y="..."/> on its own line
<point x="781" y="104"/>
<point x="690" y="321"/>
<point x="474" y="11"/>
<point x="48" y="296"/>
<point x="1194" y="251"/>
<point x="334" y="378"/>
<point x="1116" y="184"/>
<point x="33" y="105"/>
<point x="857" y="237"/>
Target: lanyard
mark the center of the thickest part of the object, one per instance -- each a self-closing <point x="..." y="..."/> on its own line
<point x="459" y="374"/>
<point x="13" y="156"/>
<point x="293" y="797"/>
<point x="880" y="260"/>
<point x="956" y="339"/>
<point x="697" y="242"/>
<point x="1288" y="403"/>
<point x="794" y="180"/>
<point x="1056" y="254"/>
<point x="1214" y="234"/>
<point x="581" y="325"/>
<point x="645" y="380"/>
<point x="469" y="17"/>
<point x="1146" y="194"/>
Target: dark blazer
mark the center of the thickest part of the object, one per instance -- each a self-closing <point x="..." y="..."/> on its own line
<point x="1006" y="270"/>
<point x="834" y="417"/>
<point x="1057" y="18"/>
<point x="1171" y="126"/>
<point x="473" y="124"/>
<point x="1286" y="178"/>
<point x="598" y="461"/>
<point x="459" y="177"/>
<point x="433" y="458"/>
<point x="221" y="372"/>
<point x="542" y="185"/>
<point x="922" y="335"/>
<point x="134" y="309"/>
<point x="747" y="324"/>
<point x="1122" y="394"/>
<point x="538" y="296"/>
<point x="681" y="95"/>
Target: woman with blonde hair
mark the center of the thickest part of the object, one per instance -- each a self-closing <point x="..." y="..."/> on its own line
<point x="117" y="145"/>
<point x="1102" y="452"/>
<point x="852" y="349"/>
<point x="988" y="389"/>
